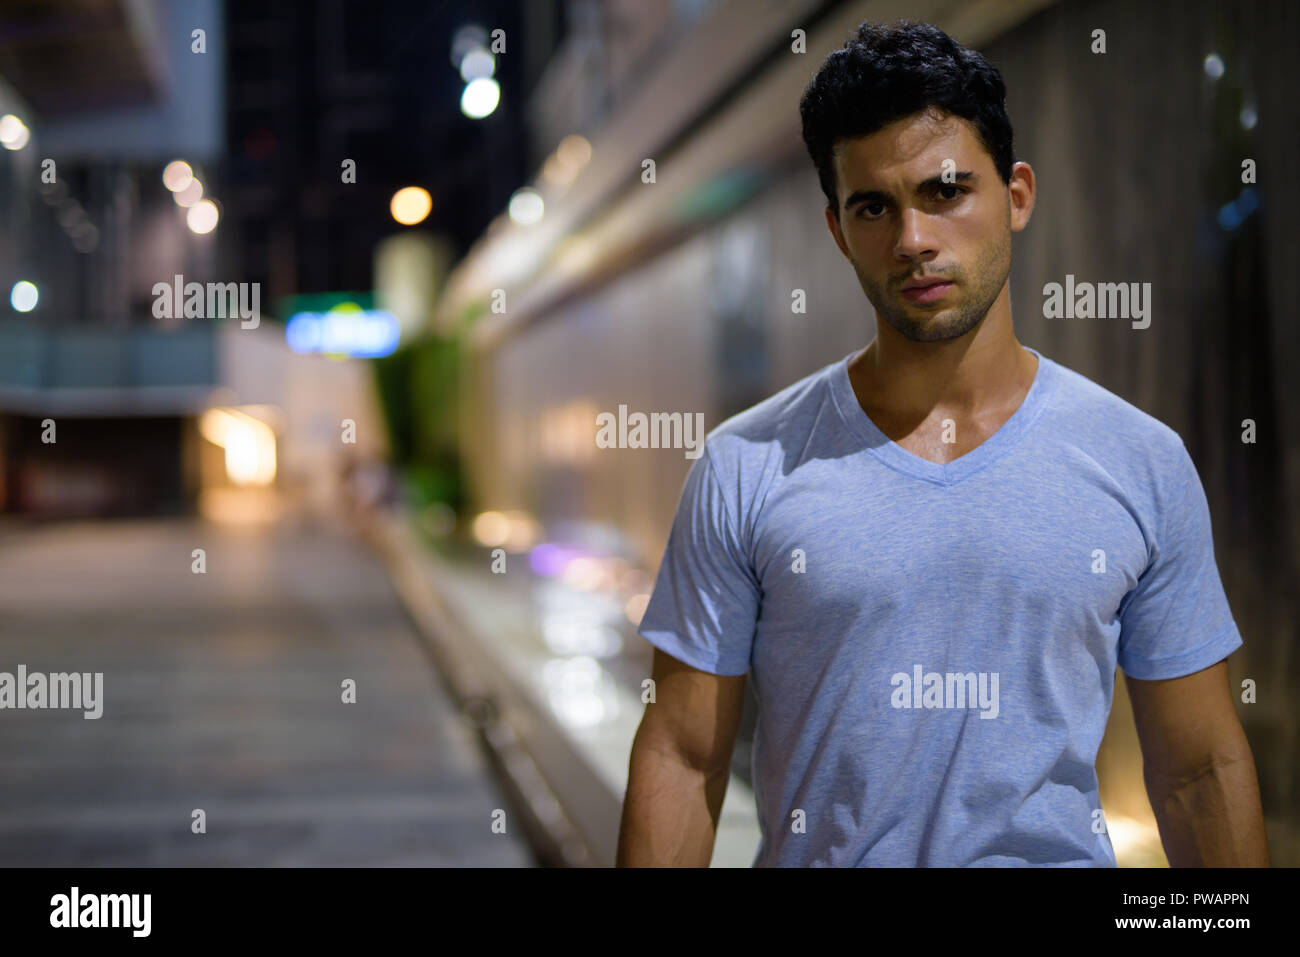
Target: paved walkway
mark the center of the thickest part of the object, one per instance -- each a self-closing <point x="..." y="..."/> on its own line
<point x="222" y="691"/>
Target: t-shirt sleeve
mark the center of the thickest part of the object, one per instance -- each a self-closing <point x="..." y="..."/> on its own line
<point x="706" y="596"/>
<point x="1176" y="619"/>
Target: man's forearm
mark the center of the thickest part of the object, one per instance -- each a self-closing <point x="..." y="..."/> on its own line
<point x="1212" y="819"/>
<point x="670" y="814"/>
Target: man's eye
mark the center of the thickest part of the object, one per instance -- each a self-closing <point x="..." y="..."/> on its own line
<point x="957" y="188"/>
<point x="866" y="206"/>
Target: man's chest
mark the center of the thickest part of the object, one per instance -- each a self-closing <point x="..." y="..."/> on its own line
<point x="848" y="537"/>
<point x="941" y="437"/>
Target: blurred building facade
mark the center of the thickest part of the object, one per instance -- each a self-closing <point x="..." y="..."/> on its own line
<point x="264" y="102"/>
<point x="95" y="393"/>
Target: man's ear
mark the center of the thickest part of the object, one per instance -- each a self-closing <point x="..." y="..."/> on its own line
<point x="833" y="223"/>
<point x="1020" y="195"/>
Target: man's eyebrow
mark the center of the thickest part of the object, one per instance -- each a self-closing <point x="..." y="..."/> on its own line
<point x="857" y="197"/>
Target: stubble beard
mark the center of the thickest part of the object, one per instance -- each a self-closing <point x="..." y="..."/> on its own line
<point x="949" y="322"/>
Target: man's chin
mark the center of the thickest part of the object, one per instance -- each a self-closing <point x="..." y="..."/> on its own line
<point x="933" y="329"/>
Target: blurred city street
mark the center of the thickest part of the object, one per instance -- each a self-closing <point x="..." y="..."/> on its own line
<point x="222" y="691"/>
<point x="361" y="364"/>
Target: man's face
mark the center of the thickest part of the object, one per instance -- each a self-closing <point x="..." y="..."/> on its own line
<point x="900" y="220"/>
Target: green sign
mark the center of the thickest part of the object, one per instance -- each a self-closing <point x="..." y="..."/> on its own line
<point x="323" y="302"/>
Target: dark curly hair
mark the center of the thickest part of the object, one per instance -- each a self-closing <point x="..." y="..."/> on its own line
<point x="885" y="73"/>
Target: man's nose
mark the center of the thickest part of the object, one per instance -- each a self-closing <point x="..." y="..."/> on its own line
<point x="914" y="237"/>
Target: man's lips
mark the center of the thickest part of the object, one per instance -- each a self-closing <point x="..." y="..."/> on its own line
<point x="922" y="283"/>
<point x="928" y="291"/>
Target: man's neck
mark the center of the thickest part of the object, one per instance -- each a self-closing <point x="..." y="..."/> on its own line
<point x="984" y="370"/>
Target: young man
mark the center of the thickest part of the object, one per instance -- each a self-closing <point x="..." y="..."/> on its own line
<point x="932" y="553"/>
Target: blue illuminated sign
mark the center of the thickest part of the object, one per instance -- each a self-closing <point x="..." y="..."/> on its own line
<point x="343" y="331"/>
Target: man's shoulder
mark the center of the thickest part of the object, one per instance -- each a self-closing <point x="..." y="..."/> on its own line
<point x="788" y="415"/>
<point x="1147" y="459"/>
<point x="1087" y="410"/>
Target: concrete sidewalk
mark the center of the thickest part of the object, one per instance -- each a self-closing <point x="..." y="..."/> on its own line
<point x="222" y="692"/>
<point x="568" y="720"/>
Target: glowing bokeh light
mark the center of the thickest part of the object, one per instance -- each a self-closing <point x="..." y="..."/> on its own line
<point x="23" y="296"/>
<point x="203" y="217"/>
<point x="526" y="206"/>
<point x="411" y="205"/>
<point x="190" y="194"/>
<point x="177" y="175"/>
<point x="480" y="98"/>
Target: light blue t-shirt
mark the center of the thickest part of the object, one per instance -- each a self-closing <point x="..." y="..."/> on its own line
<point x="933" y="647"/>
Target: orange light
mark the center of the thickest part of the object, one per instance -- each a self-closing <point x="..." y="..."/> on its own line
<point x="411" y="205"/>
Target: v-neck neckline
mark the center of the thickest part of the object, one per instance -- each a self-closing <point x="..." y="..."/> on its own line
<point x="895" y="456"/>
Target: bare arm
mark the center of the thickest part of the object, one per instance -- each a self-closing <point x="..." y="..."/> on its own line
<point x="1199" y="771"/>
<point x="680" y="766"/>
